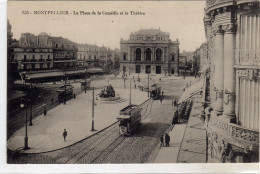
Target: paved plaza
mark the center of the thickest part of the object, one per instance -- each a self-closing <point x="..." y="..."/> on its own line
<point x="76" y="116"/>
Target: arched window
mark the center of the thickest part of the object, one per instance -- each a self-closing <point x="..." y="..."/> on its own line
<point x="138" y="54"/>
<point x="148" y="53"/>
<point x="158" y="54"/>
<point x="124" y="56"/>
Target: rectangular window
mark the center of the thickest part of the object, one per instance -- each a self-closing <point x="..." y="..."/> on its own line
<point x="148" y="69"/>
<point x="137" y="69"/>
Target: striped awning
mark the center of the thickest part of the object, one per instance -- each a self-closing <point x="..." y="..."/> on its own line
<point x="191" y="91"/>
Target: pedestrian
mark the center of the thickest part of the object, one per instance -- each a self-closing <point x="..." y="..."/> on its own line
<point x="65" y="133"/>
<point x="135" y="85"/>
<point x="161" y="100"/>
<point x="162" y="93"/>
<point x="175" y="102"/>
<point x="74" y="96"/>
<point x="167" y="140"/>
<point x="45" y="112"/>
<point x="162" y="141"/>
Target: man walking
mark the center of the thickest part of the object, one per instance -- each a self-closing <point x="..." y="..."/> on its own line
<point x="167" y="140"/>
<point x="161" y="100"/>
<point x="65" y="135"/>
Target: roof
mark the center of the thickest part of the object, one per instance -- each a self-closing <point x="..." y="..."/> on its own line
<point x="61" y="40"/>
<point x="43" y="34"/>
<point x="150" y="32"/>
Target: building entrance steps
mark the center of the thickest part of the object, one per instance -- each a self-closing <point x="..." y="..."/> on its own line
<point x="46" y="133"/>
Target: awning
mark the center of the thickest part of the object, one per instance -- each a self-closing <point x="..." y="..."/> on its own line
<point x="95" y="70"/>
<point x="191" y="91"/>
<point x="204" y="68"/>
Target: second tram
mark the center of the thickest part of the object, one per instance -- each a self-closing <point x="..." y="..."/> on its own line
<point x="129" y="119"/>
<point x="155" y="91"/>
<point x="65" y="92"/>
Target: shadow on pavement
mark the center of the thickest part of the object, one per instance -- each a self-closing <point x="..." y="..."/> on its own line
<point x="155" y="130"/>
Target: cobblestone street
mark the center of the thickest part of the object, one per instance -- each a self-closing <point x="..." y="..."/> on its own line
<point x="156" y="120"/>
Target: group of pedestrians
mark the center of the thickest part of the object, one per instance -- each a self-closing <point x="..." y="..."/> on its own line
<point x="165" y="140"/>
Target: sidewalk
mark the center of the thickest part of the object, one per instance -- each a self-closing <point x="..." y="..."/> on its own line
<point x="46" y="132"/>
<point x="193" y="148"/>
<point x="170" y="154"/>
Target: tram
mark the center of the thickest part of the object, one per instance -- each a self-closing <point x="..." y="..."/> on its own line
<point x="65" y="92"/>
<point x="129" y="119"/>
<point x="155" y="91"/>
<point x="85" y="84"/>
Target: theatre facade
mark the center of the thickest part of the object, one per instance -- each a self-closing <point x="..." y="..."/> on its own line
<point x="149" y="51"/>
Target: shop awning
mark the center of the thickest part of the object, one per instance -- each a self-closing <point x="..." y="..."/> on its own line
<point x="191" y="91"/>
<point x="95" y="70"/>
<point x="204" y="68"/>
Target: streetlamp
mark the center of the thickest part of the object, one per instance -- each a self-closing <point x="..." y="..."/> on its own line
<point x="130" y="93"/>
<point x="92" y="127"/>
<point x="26" y="135"/>
<point x="124" y="78"/>
<point x="30" y="123"/>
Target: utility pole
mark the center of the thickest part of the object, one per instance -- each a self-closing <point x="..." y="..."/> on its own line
<point x="148" y="85"/>
<point x="92" y="127"/>
<point x="130" y="93"/>
<point x="65" y="89"/>
<point x="178" y="61"/>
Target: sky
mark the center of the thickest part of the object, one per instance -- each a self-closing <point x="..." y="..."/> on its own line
<point x="181" y="19"/>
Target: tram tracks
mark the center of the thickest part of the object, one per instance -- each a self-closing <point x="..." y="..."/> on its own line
<point x="103" y="136"/>
<point x="103" y="144"/>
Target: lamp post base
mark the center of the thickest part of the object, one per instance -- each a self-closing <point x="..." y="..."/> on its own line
<point x="26" y="143"/>
<point x="30" y="124"/>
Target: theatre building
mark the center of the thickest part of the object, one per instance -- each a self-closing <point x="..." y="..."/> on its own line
<point x="149" y="51"/>
<point x="232" y="96"/>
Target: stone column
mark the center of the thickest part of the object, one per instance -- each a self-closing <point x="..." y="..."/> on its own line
<point x="154" y="56"/>
<point x="142" y="54"/>
<point x="229" y="71"/>
<point x="219" y="70"/>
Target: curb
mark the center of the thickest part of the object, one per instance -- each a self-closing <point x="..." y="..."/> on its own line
<point x="16" y="151"/>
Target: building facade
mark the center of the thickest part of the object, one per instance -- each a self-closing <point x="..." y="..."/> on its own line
<point x="64" y="53"/>
<point x="87" y="55"/>
<point x="32" y="53"/>
<point x="149" y="51"/>
<point x="233" y="80"/>
<point x="95" y="56"/>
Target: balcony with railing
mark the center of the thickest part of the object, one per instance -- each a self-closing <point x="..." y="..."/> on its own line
<point x="222" y="128"/>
